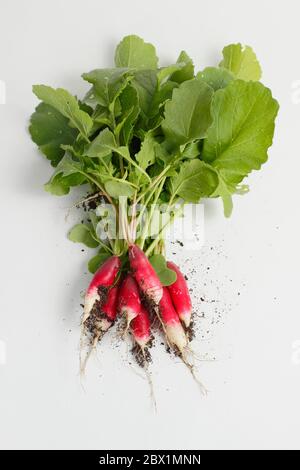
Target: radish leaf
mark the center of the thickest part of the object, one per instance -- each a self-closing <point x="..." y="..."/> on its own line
<point x="187" y="114"/>
<point x="67" y="105"/>
<point x="49" y="129"/>
<point x="95" y="262"/>
<point x="108" y="84"/>
<point x="134" y="52"/>
<point x="241" y="61"/>
<point x="216" y="77"/>
<point x="81" y="233"/>
<point x="186" y="70"/>
<point x="166" y="276"/>
<point x="242" y="130"/>
<point x="194" y="180"/>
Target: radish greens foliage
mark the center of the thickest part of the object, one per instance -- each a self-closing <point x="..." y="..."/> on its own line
<point x="154" y="135"/>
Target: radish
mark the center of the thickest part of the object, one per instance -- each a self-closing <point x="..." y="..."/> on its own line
<point x="141" y="332"/>
<point x="100" y="307"/>
<point x="145" y="275"/>
<point x="129" y="299"/>
<point x="110" y="308"/>
<point x="104" y="278"/>
<point x="141" y="328"/>
<point x="180" y="295"/>
<point x="174" y="331"/>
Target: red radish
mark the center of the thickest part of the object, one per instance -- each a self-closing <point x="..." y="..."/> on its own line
<point x="129" y="299"/>
<point x="170" y="319"/>
<point x="103" y="279"/>
<point x="145" y="274"/>
<point x="141" y="328"/>
<point x="100" y="305"/>
<point x="110" y="308"/>
<point x="180" y="295"/>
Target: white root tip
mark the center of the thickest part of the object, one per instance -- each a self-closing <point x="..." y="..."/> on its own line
<point x="185" y="317"/>
<point x="142" y="341"/>
<point x="89" y="301"/>
<point x="176" y="336"/>
<point x="104" y="324"/>
<point x="129" y="314"/>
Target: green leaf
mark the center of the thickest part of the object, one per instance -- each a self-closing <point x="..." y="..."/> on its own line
<point x="119" y="188"/>
<point x="59" y="185"/>
<point x="124" y="152"/>
<point x="161" y="96"/>
<point x="241" y="61"/>
<point x="191" y="150"/>
<point x="95" y="262"/>
<point x="81" y="233"/>
<point x="68" y="166"/>
<point x="145" y="83"/>
<point x="180" y="72"/>
<point x="67" y="105"/>
<point x="186" y="70"/>
<point x="194" y="180"/>
<point x="130" y="112"/>
<point x="67" y="174"/>
<point x="166" y="275"/>
<point x="108" y="85"/>
<point x="242" y="130"/>
<point x="102" y="145"/>
<point x="216" y="77"/>
<point x="146" y="156"/>
<point x="187" y="114"/>
<point x="225" y="193"/>
<point x="133" y="52"/>
<point x="105" y="143"/>
<point x="165" y="72"/>
<point x="49" y="129"/>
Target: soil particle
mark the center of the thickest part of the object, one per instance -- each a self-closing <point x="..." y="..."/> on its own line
<point x="142" y="356"/>
<point x="190" y="331"/>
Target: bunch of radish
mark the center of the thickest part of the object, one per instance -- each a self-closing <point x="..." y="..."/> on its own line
<point x="146" y="141"/>
<point x="137" y="296"/>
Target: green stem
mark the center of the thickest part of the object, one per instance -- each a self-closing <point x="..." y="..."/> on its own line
<point x="121" y="163"/>
<point x="162" y="231"/>
<point x="98" y="186"/>
<point x="152" y="209"/>
<point x="154" y="183"/>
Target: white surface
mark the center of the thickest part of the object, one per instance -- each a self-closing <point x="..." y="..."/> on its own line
<point x="255" y="382"/>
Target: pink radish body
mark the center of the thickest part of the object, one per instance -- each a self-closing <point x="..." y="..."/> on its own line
<point x="104" y="278"/>
<point x="141" y="328"/>
<point x="145" y="274"/>
<point x="110" y="308"/>
<point x="180" y="295"/>
<point x="173" y="328"/>
<point x="129" y="299"/>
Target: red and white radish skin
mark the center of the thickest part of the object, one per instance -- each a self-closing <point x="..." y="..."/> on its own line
<point x="145" y="275"/>
<point x="173" y="328"/>
<point x="180" y="295"/>
<point x="129" y="299"/>
<point x="110" y="309"/>
<point x="104" y="277"/>
<point x="141" y="328"/>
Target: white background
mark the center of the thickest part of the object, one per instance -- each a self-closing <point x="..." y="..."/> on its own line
<point x="254" y="382"/>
